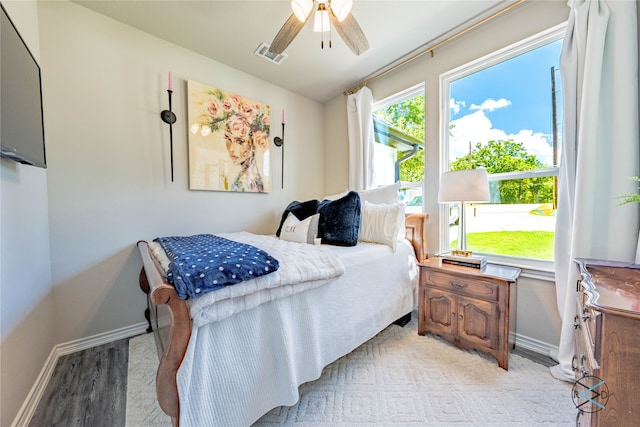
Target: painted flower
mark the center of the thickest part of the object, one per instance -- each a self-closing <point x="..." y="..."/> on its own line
<point x="246" y="110"/>
<point x="237" y="127"/>
<point x="230" y="104"/>
<point x="260" y="140"/>
<point x="214" y="108"/>
<point x="237" y="116"/>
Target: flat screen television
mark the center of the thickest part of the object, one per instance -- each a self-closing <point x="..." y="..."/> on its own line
<point x="21" y="118"/>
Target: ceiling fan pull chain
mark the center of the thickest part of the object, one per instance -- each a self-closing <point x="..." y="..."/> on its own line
<point x="321" y="27"/>
<point x="330" y="32"/>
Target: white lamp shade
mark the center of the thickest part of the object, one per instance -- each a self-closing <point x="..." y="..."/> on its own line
<point x="341" y="8"/>
<point x="469" y="186"/>
<point x="301" y="8"/>
<point x="321" y="22"/>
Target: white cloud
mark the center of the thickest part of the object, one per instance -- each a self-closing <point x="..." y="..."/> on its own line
<point x="491" y="104"/>
<point x="476" y="127"/>
<point x="456" y="105"/>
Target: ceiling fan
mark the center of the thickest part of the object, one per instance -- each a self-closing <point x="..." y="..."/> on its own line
<point x="338" y="12"/>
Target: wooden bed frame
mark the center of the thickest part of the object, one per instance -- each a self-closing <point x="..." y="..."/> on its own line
<point x="170" y="320"/>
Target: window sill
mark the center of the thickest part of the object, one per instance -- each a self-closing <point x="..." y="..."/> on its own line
<point x="531" y="268"/>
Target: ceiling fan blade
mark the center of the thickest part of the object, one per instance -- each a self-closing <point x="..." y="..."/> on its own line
<point x="287" y="33"/>
<point x="350" y="32"/>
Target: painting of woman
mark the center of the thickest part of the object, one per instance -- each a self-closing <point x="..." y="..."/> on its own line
<point x="228" y="142"/>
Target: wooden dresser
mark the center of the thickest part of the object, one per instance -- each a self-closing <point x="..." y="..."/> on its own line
<point x="473" y="309"/>
<point x="607" y="344"/>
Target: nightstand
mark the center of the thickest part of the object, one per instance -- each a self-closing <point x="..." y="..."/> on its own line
<point x="471" y="308"/>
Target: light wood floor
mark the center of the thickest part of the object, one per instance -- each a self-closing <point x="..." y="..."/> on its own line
<point x="89" y="388"/>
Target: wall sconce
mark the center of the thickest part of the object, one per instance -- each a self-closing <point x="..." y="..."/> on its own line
<point x="279" y="142"/>
<point x="169" y="117"/>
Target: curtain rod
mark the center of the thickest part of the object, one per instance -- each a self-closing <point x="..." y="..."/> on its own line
<point x="432" y="48"/>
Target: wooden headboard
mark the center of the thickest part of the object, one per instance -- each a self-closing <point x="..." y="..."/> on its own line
<point x="416" y="232"/>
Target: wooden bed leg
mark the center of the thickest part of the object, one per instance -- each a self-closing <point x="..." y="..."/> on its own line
<point x="144" y="285"/>
<point x="147" y="315"/>
<point x="403" y="320"/>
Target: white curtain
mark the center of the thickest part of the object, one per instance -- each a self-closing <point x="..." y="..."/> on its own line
<point x="599" y="66"/>
<point x="361" y="139"/>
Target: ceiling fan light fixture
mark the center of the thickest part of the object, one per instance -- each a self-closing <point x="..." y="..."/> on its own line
<point x="301" y="8"/>
<point x="325" y="20"/>
<point x="341" y="8"/>
<point x="321" y="23"/>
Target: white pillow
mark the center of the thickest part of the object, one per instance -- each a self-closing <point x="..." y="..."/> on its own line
<point x="303" y="231"/>
<point x="336" y="196"/>
<point x="388" y="194"/>
<point x="381" y="223"/>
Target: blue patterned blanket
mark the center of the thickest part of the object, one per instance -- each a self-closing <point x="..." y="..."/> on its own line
<point x="205" y="262"/>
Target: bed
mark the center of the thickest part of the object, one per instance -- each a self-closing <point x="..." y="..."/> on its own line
<point x="234" y="368"/>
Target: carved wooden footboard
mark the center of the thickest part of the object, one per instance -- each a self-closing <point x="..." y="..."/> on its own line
<point x="170" y="319"/>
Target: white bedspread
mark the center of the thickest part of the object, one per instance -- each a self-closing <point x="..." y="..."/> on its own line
<point x="302" y="267"/>
<point x="237" y="369"/>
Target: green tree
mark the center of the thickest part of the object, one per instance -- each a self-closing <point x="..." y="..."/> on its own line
<point x="510" y="156"/>
<point x="408" y="116"/>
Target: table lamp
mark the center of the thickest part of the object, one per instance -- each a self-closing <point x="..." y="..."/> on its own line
<point x="464" y="186"/>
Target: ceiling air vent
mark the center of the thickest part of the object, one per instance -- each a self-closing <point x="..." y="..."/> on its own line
<point x="263" y="52"/>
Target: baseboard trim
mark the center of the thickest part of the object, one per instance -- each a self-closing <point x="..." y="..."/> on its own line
<point x="536" y="346"/>
<point x="30" y="404"/>
<point x="104" y="338"/>
<point x="28" y="408"/>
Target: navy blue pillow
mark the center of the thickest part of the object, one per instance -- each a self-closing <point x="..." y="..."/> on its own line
<point x="339" y="222"/>
<point x="302" y="210"/>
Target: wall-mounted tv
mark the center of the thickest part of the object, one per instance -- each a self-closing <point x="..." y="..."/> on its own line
<point x="21" y="118"/>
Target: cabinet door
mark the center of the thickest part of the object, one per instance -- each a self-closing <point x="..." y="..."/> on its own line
<point x="478" y="323"/>
<point x="440" y="313"/>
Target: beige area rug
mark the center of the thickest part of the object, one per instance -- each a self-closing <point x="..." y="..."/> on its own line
<point x="398" y="378"/>
<point x="142" y="406"/>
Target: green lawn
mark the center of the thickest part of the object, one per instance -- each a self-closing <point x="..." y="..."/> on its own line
<point x="523" y="244"/>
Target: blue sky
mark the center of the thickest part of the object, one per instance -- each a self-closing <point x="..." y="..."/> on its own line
<point x="510" y="100"/>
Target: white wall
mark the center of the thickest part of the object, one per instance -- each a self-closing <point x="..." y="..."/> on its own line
<point x="536" y="298"/>
<point x="108" y="152"/>
<point x="26" y="303"/>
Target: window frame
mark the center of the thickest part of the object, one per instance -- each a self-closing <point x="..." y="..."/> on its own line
<point x="396" y="98"/>
<point x="523" y="46"/>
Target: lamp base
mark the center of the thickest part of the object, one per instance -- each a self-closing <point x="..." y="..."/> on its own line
<point x="461" y="253"/>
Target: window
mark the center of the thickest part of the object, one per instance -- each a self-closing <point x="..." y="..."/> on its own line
<point x="503" y="113"/>
<point x="398" y="123"/>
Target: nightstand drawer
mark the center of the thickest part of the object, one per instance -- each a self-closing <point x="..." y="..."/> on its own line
<point x="477" y="287"/>
<point x="583" y="362"/>
<point x="591" y="321"/>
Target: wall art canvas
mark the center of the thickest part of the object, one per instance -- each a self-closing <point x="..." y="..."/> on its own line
<point x="228" y="141"/>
